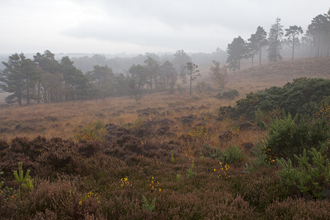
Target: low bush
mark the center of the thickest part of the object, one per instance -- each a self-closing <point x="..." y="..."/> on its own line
<point x="309" y="178"/>
<point x="289" y="136"/>
<point x="232" y="154"/>
<point x="306" y="93"/>
<point x="231" y="94"/>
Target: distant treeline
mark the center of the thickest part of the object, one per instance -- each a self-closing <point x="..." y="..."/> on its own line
<point x="122" y="64"/>
<point x="45" y="79"/>
<point x="282" y="43"/>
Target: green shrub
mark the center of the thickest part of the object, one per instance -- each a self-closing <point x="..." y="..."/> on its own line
<point x="289" y="136"/>
<point x="231" y="94"/>
<point x="231" y="154"/>
<point x="258" y="117"/>
<point x="93" y="131"/>
<point x="260" y="161"/>
<point x="148" y="207"/>
<point x="312" y="178"/>
<point x="301" y="96"/>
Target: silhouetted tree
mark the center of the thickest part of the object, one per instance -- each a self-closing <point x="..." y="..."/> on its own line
<point x="19" y="77"/>
<point x="236" y="51"/>
<point x="179" y="62"/>
<point x="219" y="74"/>
<point x="257" y="42"/>
<point x="319" y="30"/>
<point x="151" y="70"/>
<point x="192" y="72"/>
<point x="275" y="37"/>
<point x="292" y="34"/>
<point x="139" y="74"/>
<point x="169" y="75"/>
<point x="75" y="82"/>
<point x="47" y="62"/>
<point x="136" y="80"/>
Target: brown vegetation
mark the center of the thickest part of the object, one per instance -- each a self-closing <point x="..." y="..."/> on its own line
<point x="147" y="150"/>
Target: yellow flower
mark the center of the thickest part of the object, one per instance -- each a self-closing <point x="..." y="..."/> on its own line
<point x="215" y="170"/>
<point x="80" y="202"/>
<point x="160" y="190"/>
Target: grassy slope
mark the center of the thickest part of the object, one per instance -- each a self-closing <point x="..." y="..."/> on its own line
<point x="65" y="119"/>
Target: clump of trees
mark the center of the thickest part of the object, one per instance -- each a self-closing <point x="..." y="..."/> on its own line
<point x="45" y="79"/>
<point x="315" y="42"/>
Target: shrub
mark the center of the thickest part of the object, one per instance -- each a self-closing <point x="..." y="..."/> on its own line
<point x="303" y="92"/>
<point x="231" y="94"/>
<point x="312" y="179"/>
<point x="259" y="161"/>
<point x="93" y="131"/>
<point x="259" y="119"/>
<point x="148" y="207"/>
<point x="231" y="154"/>
<point x="289" y="136"/>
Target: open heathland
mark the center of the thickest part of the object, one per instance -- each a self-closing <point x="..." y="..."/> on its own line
<point x="175" y="156"/>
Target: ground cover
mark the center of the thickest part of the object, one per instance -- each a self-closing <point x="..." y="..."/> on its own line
<point x="168" y="157"/>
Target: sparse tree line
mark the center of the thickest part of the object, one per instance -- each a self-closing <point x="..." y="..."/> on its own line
<point x="45" y="79"/>
<point x="316" y="40"/>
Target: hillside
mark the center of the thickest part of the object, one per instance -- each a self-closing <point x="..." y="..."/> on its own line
<point x="278" y="74"/>
<point x="99" y="157"/>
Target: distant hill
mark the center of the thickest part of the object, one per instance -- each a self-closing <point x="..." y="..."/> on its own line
<point x="318" y="66"/>
<point x="278" y="74"/>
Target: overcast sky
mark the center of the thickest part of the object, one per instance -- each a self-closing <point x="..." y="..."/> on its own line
<point x="140" y="26"/>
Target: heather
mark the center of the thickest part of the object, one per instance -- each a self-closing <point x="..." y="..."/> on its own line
<point x="169" y="157"/>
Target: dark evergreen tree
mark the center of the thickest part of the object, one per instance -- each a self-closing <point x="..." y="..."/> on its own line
<point x="139" y="75"/>
<point x="193" y="73"/>
<point x="152" y="71"/>
<point x="75" y="82"/>
<point x="47" y="62"/>
<point x="260" y="38"/>
<point x="319" y="29"/>
<point x="101" y="76"/>
<point x="275" y="37"/>
<point x="179" y="62"/>
<point x="19" y="77"/>
<point x="292" y="34"/>
<point x="168" y="75"/>
<point x="237" y="50"/>
<point x="252" y="47"/>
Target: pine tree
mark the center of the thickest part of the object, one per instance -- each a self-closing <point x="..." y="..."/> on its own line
<point x="259" y="38"/>
<point x="292" y="33"/>
<point x="19" y="77"/>
<point x="275" y="37"/>
<point x="236" y="51"/>
<point x="193" y="72"/>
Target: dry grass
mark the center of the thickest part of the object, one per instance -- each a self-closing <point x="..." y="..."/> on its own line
<point x="65" y="119"/>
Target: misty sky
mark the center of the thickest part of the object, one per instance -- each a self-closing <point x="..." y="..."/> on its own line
<point x="139" y="26"/>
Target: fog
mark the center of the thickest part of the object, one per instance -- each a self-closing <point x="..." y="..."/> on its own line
<point x="137" y="27"/>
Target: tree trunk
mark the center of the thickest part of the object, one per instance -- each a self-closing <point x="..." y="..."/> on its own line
<point x="27" y="92"/>
<point x="190" y="83"/>
<point x="260" y="56"/>
<point x="292" y="48"/>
